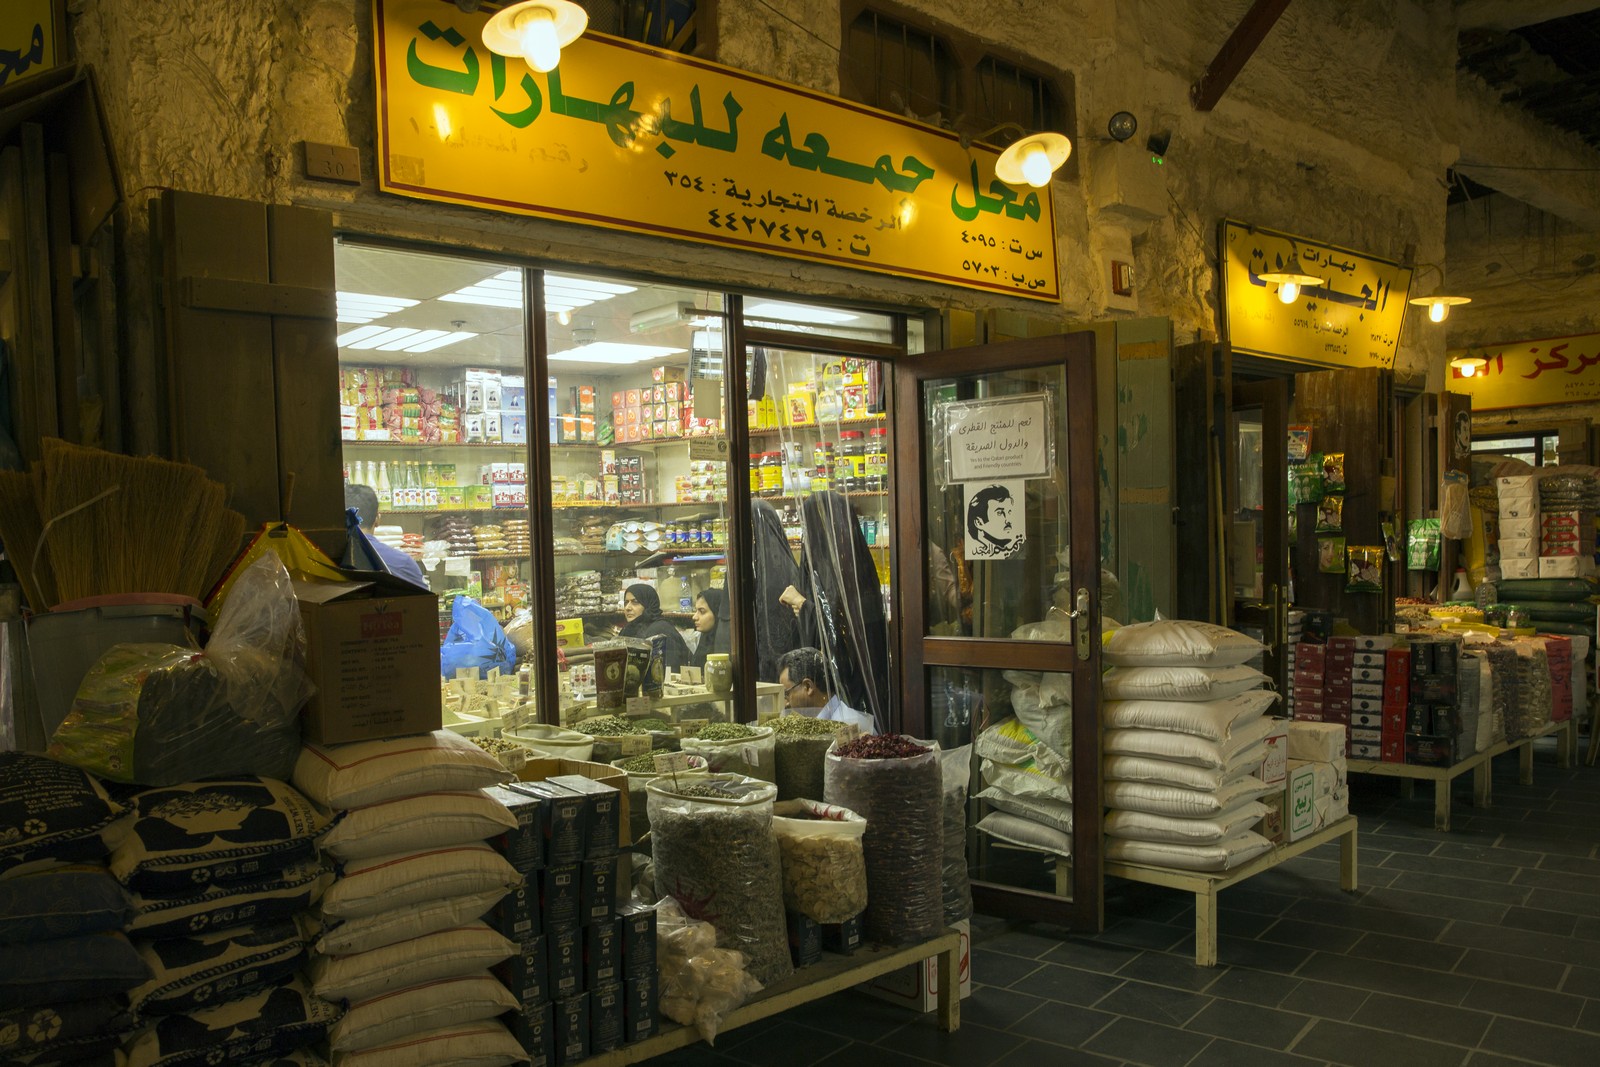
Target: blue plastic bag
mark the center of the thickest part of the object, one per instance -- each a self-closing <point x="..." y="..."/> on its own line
<point x="475" y="639"/>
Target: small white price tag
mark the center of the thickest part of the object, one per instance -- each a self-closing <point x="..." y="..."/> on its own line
<point x="750" y="755"/>
<point x="847" y="732"/>
<point x="671" y="762"/>
<point x="640" y="705"/>
<point x="692" y="727"/>
<point x="634" y="744"/>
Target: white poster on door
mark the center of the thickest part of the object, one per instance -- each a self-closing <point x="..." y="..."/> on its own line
<point x="995" y="522"/>
<point x="998" y="438"/>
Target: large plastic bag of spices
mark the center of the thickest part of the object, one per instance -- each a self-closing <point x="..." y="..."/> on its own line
<point x="801" y="745"/>
<point x="715" y="853"/>
<point x="956" y="769"/>
<point x="735" y="748"/>
<point x="895" y="783"/>
<point x="824" y="868"/>
<point x="475" y="640"/>
<point x="161" y="714"/>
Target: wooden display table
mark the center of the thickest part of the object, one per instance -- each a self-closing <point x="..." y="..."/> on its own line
<point x="813" y="983"/>
<point x="1478" y="763"/>
<point x="1205" y="885"/>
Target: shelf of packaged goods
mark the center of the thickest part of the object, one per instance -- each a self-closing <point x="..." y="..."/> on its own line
<point x="426" y="512"/>
<point x="828" y="424"/>
<point x="850" y="495"/>
<point x="519" y="446"/>
<point x="831" y="975"/>
<point x="486" y="556"/>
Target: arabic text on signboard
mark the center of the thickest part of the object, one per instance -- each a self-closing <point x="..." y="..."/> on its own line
<point x="628" y="137"/>
<point x="1556" y="370"/>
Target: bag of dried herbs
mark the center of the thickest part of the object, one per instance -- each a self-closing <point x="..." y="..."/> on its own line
<point x="800" y="749"/>
<point x="824" y="868"/>
<point x="640" y="770"/>
<point x="895" y="783"/>
<point x="734" y="748"/>
<point x="715" y="853"/>
<point x="956" y="769"/>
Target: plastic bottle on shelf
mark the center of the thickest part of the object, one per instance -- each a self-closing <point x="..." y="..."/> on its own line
<point x="1463" y="588"/>
<point x="877" y="459"/>
<point x="385" y="492"/>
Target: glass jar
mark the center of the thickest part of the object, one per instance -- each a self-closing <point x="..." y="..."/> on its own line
<point x="755" y="473"/>
<point x="877" y="463"/>
<point x="851" y="464"/>
<point x="822" y="458"/>
<point x="771" y="474"/>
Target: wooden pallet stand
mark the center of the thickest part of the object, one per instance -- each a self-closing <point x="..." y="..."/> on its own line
<point x="813" y="983"/>
<point x="1566" y="734"/>
<point x="1205" y="885"/>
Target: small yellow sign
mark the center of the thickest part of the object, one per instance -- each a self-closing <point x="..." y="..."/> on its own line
<point x="1352" y="319"/>
<point x="1556" y="370"/>
<point x="29" y="42"/>
<point x="630" y="137"/>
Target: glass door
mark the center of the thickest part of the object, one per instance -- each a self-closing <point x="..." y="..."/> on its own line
<point x="1258" y="537"/>
<point x="997" y="505"/>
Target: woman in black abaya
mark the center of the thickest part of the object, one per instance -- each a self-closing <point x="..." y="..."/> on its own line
<point x="777" y="630"/>
<point x="641" y="606"/>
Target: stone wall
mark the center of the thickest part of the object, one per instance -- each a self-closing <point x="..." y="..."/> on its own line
<point x="1339" y="128"/>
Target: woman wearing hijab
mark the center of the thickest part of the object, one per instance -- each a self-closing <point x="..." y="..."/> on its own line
<point x="777" y="630"/>
<point x="641" y="607"/>
<point x="839" y="604"/>
<point x="712" y="623"/>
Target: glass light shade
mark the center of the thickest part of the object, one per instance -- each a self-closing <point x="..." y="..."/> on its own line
<point x="1033" y="159"/>
<point x="1439" y="305"/>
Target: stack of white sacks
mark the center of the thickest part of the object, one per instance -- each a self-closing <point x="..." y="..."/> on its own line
<point x="1026" y="771"/>
<point x="1186" y="727"/>
<point x="403" y="943"/>
<point x="1518" y="498"/>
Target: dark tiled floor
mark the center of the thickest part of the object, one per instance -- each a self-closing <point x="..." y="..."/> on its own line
<point x="1476" y="947"/>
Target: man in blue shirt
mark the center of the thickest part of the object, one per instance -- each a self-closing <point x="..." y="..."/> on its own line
<point x="804" y="677"/>
<point x="363" y="500"/>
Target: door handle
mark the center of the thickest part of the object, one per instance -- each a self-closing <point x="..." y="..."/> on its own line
<point x="1080" y="623"/>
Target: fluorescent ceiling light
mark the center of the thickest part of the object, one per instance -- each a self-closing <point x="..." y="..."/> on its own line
<point x="777" y="309"/>
<point x="364" y="307"/>
<point x="614" y="352"/>
<point x="401" y="339"/>
<point x="599" y="289"/>
<point x="474" y="294"/>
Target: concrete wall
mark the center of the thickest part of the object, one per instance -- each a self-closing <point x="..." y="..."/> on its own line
<point x="1339" y="129"/>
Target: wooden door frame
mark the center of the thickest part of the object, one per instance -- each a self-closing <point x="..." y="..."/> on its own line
<point x="1271" y="395"/>
<point x="916" y="652"/>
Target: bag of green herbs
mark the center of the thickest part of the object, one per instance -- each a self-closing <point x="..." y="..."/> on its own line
<point x="641" y="770"/>
<point x="734" y="748"/>
<point x="895" y="783"/>
<point x="715" y="853"/>
<point x="800" y="750"/>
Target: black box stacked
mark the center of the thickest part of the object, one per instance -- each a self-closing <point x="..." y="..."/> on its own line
<point x="1431" y="715"/>
<point x="1368" y="676"/>
<point x="586" y="973"/>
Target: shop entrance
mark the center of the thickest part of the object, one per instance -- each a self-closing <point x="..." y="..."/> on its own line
<point x="997" y="502"/>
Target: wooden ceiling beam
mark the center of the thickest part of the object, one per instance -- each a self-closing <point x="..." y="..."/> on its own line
<point x="1235" y="53"/>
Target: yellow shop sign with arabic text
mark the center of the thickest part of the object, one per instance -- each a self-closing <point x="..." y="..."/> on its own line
<point x="629" y="137"/>
<point x="1556" y="370"/>
<point x="1352" y="319"/>
<point x="29" y="39"/>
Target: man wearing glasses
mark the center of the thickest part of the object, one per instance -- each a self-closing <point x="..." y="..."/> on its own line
<point x="804" y="677"/>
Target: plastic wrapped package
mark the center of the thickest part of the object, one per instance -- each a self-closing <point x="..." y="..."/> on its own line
<point x="824" y="867"/>
<point x="1505" y="687"/>
<point x="801" y="746"/>
<point x="895" y="782"/>
<point x="700" y="983"/>
<point x="160" y="714"/>
<point x="955" y="767"/>
<point x="715" y="853"/>
<point x="1531" y="712"/>
<point x="1471" y="696"/>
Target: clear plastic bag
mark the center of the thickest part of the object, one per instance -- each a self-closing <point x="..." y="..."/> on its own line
<point x="754" y="756"/>
<point x="956" y="768"/>
<point x="715" y="853"/>
<point x="904" y="842"/>
<point x="160" y="714"/>
<point x="824" y="868"/>
<point x="1455" y="506"/>
<point x="700" y="983"/>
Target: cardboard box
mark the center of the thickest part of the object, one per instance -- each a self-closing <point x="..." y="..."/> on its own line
<point x="1565" y="566"/>
<point x="597" y="890"/>
<point x="572" y="1029"/>
<point x="640" y="1019"/>
<point x="538" y="770"/>
<point x="842" y="938"/>
<point x="566" y="961"/>
<point x="917" y="986"/>
<point x="603" y="805"/>
<point x="527" y="974"/>
<point x="1300" y="811"/>
<point x="1519" y="528"/>
<point x="372" y="651"/>
<point x="1374" y="642"/>
<point x="565" y="829"/>
<point x="523" y="847"/>
<point x="805" y="939"/>
<point x="1517" y="486"/>
<point x="636" y="925"/>
<point x="533" y="1028"/>
<point x="607" y="1018"/>
<point x="1519" y="568"/>
<point x="602" y="954"/>
<point x="1272" y="825"/>
<point x="518" y="916"/>
<point x="1518" y="547"/>
<point x="560" y="890"/>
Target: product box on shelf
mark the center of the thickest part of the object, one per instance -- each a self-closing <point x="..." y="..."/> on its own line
<point x="533" y="1026"/>
<point x="522" y="847"/>
<point x="602" y="953"/>
<point x="597" y="890"/>
<point x="607" y="1017"/>
<point x="518" y="916"/>
<point x="560" y="894"/>
<point x="1274" y="764"/>
<point x="639" y="1010"/>
<point x="602" y="808"/>
<point x="372" y="653"/>
<point x="917" y="986"/>
<point x="527" y="974"/>
<point x="805" y="939"/>
<point x="636" y="924"/>
<point x="1565" y="566"/>
<point x="1272" y="825"/>
<point x="572" y="1029"/>
<point x="842" y="938"/>
<point x="540" y="770"/>
<point x="566" y="960"/>
<point x="1300" y="807"/>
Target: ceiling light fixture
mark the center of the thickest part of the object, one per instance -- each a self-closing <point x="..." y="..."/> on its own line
<point x="1033" y="160"/>
<point x="1469" y="363"/>
<point x="614" y="352"/>
<point x="358" y="308"/>
<point x="783" y="311"/>
<point x="1290" y="278"/>
<point x="1439" y="304"/>
<point x="535" y="31"/>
